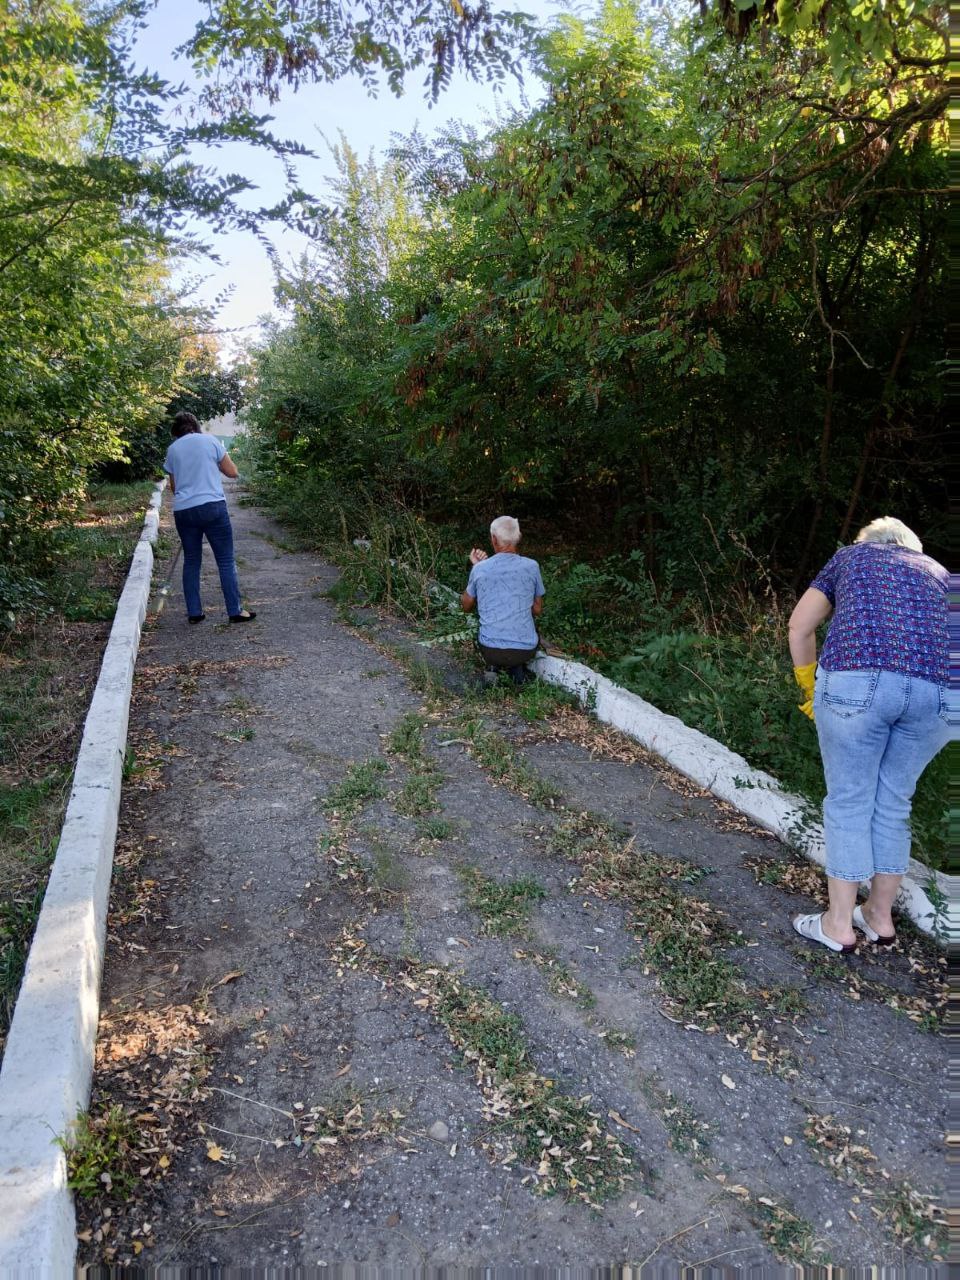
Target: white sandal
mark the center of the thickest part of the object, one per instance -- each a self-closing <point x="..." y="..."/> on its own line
<point x="860" y="922"/>
<point x="811" y="928"/>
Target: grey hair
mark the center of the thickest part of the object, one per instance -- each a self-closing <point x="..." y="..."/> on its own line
<point x="506" y="529"/>
<point x="889" y="529"/>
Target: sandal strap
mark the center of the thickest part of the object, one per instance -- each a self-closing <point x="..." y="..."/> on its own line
<point x="811" y="927"/>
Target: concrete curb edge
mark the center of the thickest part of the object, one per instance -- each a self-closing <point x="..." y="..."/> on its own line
<point x="48" y="1064"/>
<point x="754" y="793"/>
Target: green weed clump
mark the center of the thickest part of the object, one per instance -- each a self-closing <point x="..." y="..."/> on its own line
<point x="406" y="738"/>
<point x="102" y="1154"/>
<point x="503" y="908"/>
<point x="417" y="797"/>
<point x="363" y="783"/>
<point x="434" y="827"/>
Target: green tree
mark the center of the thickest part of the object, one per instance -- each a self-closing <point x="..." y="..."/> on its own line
<point x="674" y="298"/>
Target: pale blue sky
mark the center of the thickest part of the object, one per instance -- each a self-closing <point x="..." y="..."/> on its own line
<point x="316" y="110"/>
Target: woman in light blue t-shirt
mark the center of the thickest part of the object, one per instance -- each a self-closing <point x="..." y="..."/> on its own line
<point x="195" y="463"/>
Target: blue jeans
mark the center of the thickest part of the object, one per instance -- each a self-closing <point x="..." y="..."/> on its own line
<point x="212" y="519"/>
<point x="878" y="731"/>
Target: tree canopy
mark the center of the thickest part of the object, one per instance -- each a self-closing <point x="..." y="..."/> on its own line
<point x="692" y="297"/>
<point x="699" y="280"/>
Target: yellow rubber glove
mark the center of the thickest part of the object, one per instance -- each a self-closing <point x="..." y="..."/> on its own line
<point x="804" y="677"/>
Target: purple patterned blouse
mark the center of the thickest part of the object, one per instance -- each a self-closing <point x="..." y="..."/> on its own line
<point x="890" y="611"/>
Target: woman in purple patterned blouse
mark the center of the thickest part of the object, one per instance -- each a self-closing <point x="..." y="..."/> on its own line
<point x="880" y="700"/>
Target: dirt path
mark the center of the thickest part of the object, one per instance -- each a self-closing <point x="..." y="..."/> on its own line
<point x="400" y="972"/>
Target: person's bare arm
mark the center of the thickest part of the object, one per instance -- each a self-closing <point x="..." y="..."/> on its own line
<point x="537" y="607"/>
<point x="229" y="467"/>
<point x="813" y="607"/>
<point x="173" y="483"/>
<point x="467" y="602"/>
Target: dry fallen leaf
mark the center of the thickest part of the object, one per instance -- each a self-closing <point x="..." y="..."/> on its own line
<point x="221" y="1213"/>
<point x="617" y="1118"/>
<point x="164" y="1162"/>
<point x="214" y="1152"/>
<point x="787" y="1142"/>
<point x="727" y="1082"/>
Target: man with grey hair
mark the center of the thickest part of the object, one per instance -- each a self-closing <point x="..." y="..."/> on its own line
<point x="507" y="590"/>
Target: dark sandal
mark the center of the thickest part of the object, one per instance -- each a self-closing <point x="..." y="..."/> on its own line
<point x="247" y="616"/>
<point x="196" y="617"/>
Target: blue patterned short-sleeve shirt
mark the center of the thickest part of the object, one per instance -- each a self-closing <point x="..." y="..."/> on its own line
<point x="505" y="586"/>
<point x="890" y="611"/>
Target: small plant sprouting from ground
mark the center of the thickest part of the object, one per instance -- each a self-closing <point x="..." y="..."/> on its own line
<point x="101" y="1153"/>
<point x="502" y="908"/>
<point x="362" y="783"/>
<point x="788" y="1235"/>
<point x="240" y="735"/>
<point x="434" y="827"/>
<point x="560" y="981"/>
<point x="417" y="796"/>
<point x="406" y="738"/>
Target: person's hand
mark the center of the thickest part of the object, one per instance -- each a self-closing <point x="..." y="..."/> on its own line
<point x="476" y="555"/>
<point x="805" y="678"/>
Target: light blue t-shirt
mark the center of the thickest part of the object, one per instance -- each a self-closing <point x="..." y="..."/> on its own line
<point x="194" y="463"/>
<point x="505" y="587"/>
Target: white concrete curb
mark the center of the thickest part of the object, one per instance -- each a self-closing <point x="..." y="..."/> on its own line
<point x="756" y="794"/>
<point x="48" y="1064"/>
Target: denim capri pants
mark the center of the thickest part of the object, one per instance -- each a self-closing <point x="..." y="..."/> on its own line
<point x="878" y="731"/>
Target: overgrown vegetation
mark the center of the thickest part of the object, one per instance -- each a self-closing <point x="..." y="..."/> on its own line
<point x="48" y="666"/>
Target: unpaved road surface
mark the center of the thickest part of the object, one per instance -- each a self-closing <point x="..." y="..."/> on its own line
<point x="403" y="973"/>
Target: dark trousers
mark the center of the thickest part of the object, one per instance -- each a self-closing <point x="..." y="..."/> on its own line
<point x="210" y="520"/>
<point x="507" y="657"/>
